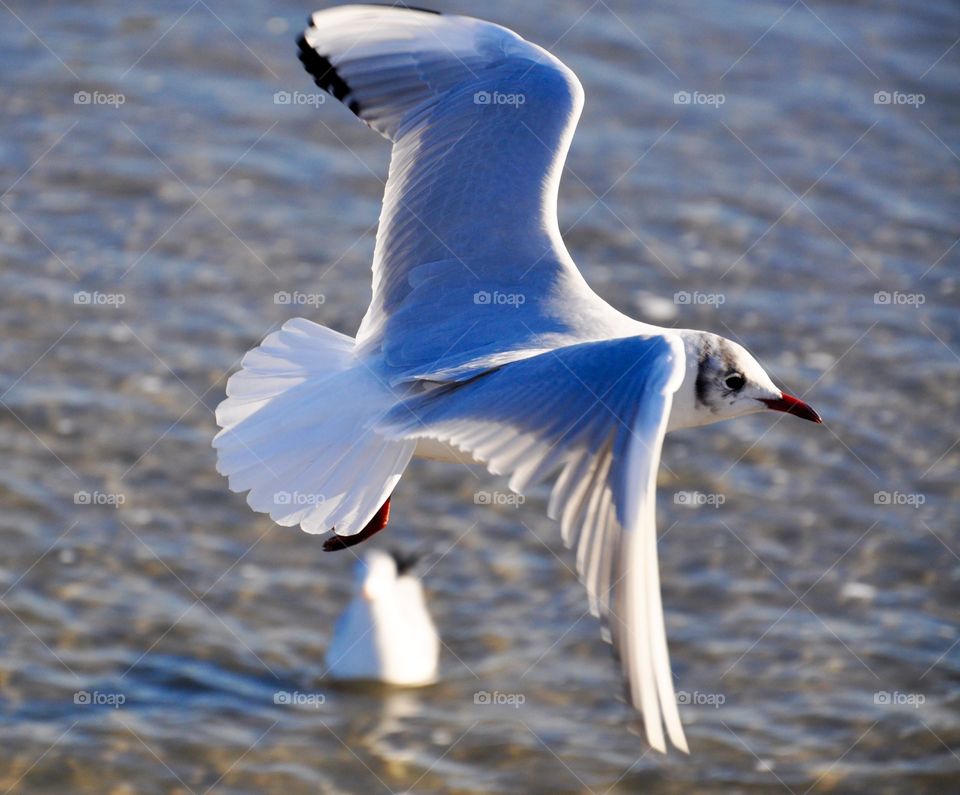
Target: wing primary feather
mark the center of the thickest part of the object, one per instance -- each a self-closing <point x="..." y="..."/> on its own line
<point x="325" y="74"/>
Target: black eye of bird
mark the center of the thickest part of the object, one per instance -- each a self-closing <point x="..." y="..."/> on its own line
<point x="735" y="381"/>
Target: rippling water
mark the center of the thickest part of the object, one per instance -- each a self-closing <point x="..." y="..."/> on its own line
<point x="813" y="622"/>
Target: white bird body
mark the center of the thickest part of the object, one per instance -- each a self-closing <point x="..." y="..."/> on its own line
<point x="386" y="633"/>
<point x="482" y="342"/>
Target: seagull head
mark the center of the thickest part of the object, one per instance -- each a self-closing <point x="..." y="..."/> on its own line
<point x="377" y="572"/>
<point x="724" y="380"/>
<point x="376" y="575"/>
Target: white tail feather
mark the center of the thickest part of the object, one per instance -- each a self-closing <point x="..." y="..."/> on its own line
<point x="297" y="431"/>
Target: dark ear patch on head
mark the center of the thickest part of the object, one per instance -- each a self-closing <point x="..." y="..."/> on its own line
<point x="405" y="561"/>
<point x="702" y="384"/>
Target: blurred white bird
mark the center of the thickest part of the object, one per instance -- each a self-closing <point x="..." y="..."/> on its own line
<point x="482" y="340"/>
<point x="386" y="633"/>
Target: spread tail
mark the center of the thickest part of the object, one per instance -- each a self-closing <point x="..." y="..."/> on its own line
<point x="297" y="432"/>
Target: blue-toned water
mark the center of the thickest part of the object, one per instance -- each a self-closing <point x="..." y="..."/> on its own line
<point x="156" y="199"/>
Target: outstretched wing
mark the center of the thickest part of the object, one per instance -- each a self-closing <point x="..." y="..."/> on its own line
<point x="481" y="121"/>
<point x="597" y="412"/>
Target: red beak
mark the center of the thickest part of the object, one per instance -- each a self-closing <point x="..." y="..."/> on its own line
<point x="791" y="405"/>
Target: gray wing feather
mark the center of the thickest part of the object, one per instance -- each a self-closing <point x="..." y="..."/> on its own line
<point x="598" y="412"/>
<point x="481" y="122"/>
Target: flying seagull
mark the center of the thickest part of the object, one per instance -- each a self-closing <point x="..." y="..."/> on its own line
<point x="386" y="633"/>
<point x="482" y="341"/>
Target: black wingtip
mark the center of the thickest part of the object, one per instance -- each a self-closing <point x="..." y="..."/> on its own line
<point x="325" y="74"/>
<point x="404" y="6"/>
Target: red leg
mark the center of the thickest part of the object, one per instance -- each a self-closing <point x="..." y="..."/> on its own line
<point x="375" y="525"/>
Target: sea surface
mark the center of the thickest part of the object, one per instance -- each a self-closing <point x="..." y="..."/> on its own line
<point x="162" y="209"/>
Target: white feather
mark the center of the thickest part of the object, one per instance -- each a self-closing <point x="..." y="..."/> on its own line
<point x="296" y="432"/>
